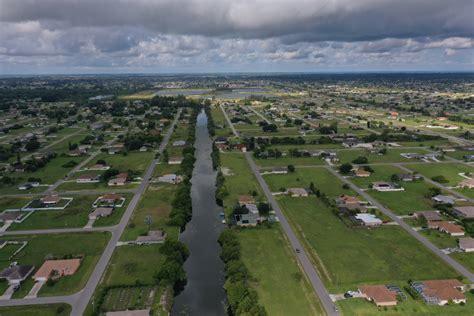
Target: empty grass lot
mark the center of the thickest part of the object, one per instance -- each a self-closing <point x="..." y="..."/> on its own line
<point x="287" y="160"/>
<point x="90" y="245"/>
<point x="406" y="202"/>
<point x="156" y="203"/>
<point x="241" y="182"/>
<point x="302" y="177"/>
<point x="37" y="310"/>
<point x="448" y="170"/>
<point x="136" y="161"/>
<point x="222" y="128"/>
<point x="347" y="257"/>
<point x="281" y="286"/>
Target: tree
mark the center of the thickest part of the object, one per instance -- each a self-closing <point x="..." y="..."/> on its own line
<point x="440" y="179"/>
<point x="395" y="178"/>
<point x="263" y="208"/>
<point x="32" y="145"/>
<point x="291" y="168"/>
<point x="345" y="168"/>
<point x="360" y="160"/>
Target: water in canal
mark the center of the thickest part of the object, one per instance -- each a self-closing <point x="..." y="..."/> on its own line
<point x="203" y="293"/>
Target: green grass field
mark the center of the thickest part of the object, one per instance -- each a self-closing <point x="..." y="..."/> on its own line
<point x="241" y="182"/>
<point x="136" y="161"/>
<point x="347" y="257"/>
<point x="302" y="177"/>
<point x="37" y="310"/>
<point x="156" y="203"/>
<point x="281" y="285"/>
<point x="406" y="202"/>
<point x="89" y="245"/>
<point x="287" y="160"/>
<point x="448" y="170"/>
<point x="392" y="155"/>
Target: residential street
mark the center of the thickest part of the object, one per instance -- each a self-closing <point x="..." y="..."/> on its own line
<point x="303" y="258"/>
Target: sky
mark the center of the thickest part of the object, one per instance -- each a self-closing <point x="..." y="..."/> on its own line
<point x="189" y="36"/>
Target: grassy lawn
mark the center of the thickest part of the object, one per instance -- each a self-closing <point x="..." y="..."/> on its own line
<point x="37" y="310"/>
<point x="156" y="203"/>
<point x="74" y="215"/>
<point x="125" y="298"/>
<point x="136" y="161"/>
<point x="381" y="173"/>
<point x="347" y="257"/>
<point x="287" y="160"/>
<point x="392" y="155"/>
<point x="448" y="170"/>
<point x="90" y="245"/>
<point x="241" y="182"/>
<point x="52" y="172"/>
<point x="302" y="177"/>
<point x="222" y="128"/>
<point x="361" y="307"/>
<point x="13" y="202"/>
<point x="130" y="264"/>
<point x="281" y="286"/>
<point x="406" y="202"/>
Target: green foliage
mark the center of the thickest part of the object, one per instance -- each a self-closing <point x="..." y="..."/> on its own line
<point x="345" y="168"/>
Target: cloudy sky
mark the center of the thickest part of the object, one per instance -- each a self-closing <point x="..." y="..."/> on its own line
<point x="116" y="36"/>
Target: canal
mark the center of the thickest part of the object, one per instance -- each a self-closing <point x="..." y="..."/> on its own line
<point x="204" y="293"/>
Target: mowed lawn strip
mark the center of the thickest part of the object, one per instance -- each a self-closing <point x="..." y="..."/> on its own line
<point x="347" y="257"/>
<point x="37" y="310"/>
<point x="448" y="170"/>
<point x="281" y="286"/>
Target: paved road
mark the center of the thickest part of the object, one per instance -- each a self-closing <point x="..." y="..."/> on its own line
<point x="234" y="131"/>
<point x="303" y="258"/>
<point x="453" y="192"/>
<point x="450" y="261"/>
<point x="79" y="300"/>
<point x="259" y="114"/>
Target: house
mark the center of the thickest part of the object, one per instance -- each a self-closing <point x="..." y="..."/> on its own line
<point x="347" y="199"/>
<point x="99" y="167"/>
<point x="466" y="244"/>
<point x="241" y="147"/>
<point x="10" y="216"/>
<point x="28" y="185"/>
<point x="464" y="211"/>
<point x="379" y="294"/>
<point x="179" y="143"/>
<point x="120" y="179"/>
<point x="221" y="140"/>
<point x="447" y="227"/>
<point x="441" y="292"/>
<point x="252" y="208"/>
<point x="115" y="149"/>
<point x="101" y="212"/>
<point x="466" y="184"/>
<point x="362" y="173"/>
<point x="429" y="216"/>
<point x="175" y="160"/>
<point x="76" y="153"/>
<point x="53" y="269"/>
<point x="246" y="199"/>
<point x="170" y="178"/>
<point x="15" y="274"/>
<point x="152" y="237"/>
<point x="365" y="219"/>
<point x="386" y="187"/>
<point x="409" y="177"/>
<point x="469" y="157"/>
<point x="136" y="312"/>
<point x="50" y="200"/>
<point x="109" y="199"/>
<point x="88" y="178"/>
<point x="443" y="199"/>
<point x="297" y="192"/>
<point x="249" y="219"/>
<point x="279" y="170"/>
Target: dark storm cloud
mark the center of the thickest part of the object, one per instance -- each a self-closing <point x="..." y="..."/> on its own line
<point x="294" y="21"/>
